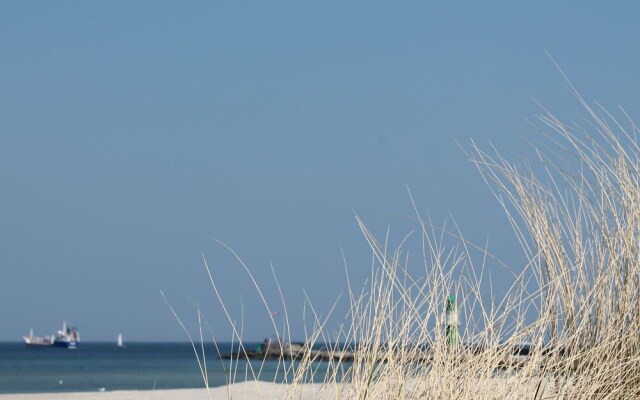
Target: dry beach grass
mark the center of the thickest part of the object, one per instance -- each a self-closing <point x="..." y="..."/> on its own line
<point x="575" y="211"/>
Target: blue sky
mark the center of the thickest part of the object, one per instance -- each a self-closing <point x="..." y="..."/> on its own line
<point x="130" y="131"/>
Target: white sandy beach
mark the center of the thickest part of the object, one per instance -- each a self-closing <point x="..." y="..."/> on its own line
<point x="244" y="390"/>
<point x="500" y="388"/>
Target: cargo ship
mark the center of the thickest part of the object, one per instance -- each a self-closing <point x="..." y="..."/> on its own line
<point x="67" y="337"/>
<point x="37" y="341"/>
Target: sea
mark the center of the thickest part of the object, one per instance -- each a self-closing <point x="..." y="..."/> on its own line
<point x="138" y="366"/>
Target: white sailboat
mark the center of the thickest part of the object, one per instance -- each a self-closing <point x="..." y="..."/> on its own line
<point x="119" y="342"/>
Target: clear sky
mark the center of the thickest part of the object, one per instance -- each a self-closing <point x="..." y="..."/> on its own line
<point x="129" y="131"/>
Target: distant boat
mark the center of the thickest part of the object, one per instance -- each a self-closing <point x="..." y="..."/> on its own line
<point x="119" y="342"/>
<point x="37" y="341"/>
<point x="66" y="337"/>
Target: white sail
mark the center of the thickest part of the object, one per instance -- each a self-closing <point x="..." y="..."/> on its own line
<point x="120" y="344"/>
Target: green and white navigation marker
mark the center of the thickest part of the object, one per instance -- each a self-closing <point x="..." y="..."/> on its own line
<point x="452" y="321"/>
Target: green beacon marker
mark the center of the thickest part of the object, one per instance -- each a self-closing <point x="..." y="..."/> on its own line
<point x="452" y="321"/>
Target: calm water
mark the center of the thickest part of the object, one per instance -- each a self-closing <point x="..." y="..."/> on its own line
<point x="139" y="366"/>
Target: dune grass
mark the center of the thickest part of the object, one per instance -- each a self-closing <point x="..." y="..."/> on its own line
<point x="575" y="210"/>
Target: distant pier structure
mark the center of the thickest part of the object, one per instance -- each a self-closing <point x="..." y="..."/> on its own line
<point x="277" y="349"/>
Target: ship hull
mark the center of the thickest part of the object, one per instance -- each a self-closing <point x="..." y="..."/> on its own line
<point x="66" y="344"/>
<point x="34" y="341"/>
<point x="29" y="344"/>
